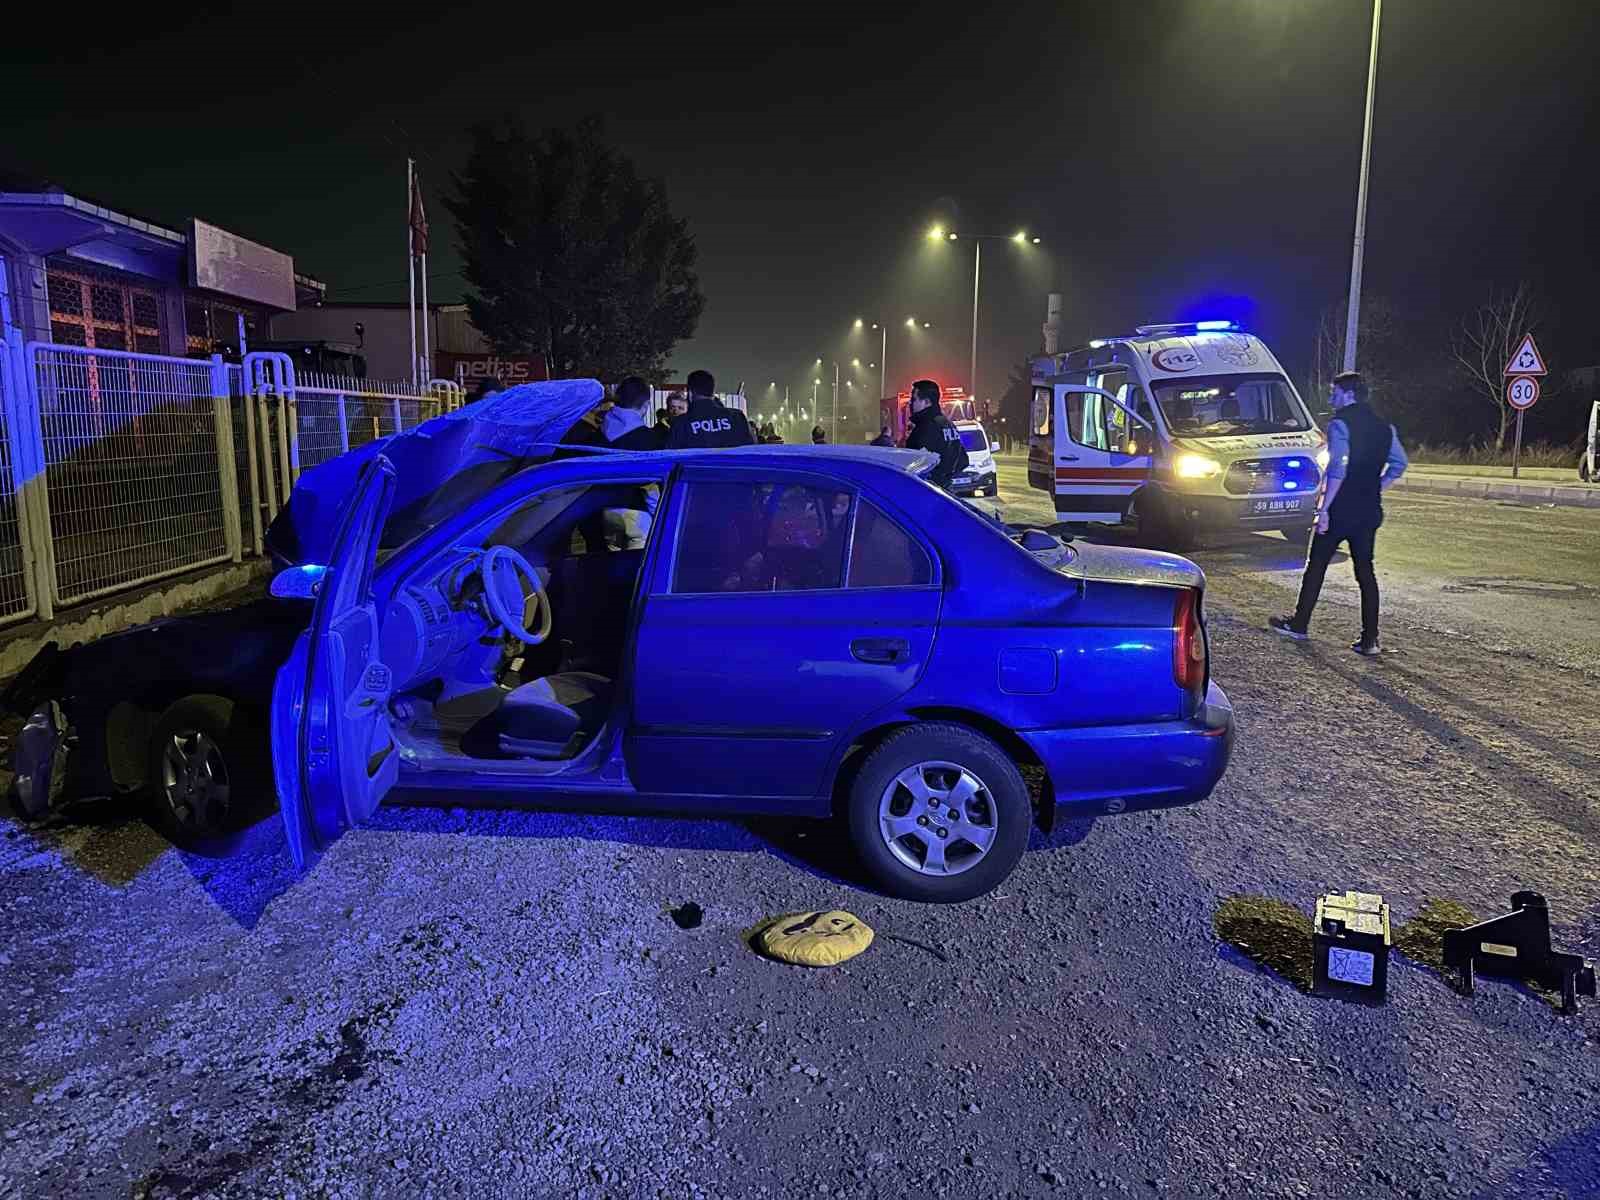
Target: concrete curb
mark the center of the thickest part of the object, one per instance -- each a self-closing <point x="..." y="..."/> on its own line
<point x="1561" y="495"/>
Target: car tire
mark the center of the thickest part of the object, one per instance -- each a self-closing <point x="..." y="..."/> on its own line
<point x="1296" y="533"/>
<point x="209" y="771"/>
<point x="946" y="759"/>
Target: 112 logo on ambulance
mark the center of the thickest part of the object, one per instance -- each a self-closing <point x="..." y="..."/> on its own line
<point x="1175" y="358"/>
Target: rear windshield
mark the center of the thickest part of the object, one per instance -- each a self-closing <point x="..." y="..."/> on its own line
<point x="974" y="439"/>
<point x="1229" y="405"/>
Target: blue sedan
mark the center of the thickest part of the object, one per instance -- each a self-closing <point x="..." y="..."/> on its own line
<point x="813" y="631"/>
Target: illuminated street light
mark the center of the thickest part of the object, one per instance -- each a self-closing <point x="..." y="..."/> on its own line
<point x="1020" y="238"/>
<point x="855" y="362"/>
<point x="936" y="234"/>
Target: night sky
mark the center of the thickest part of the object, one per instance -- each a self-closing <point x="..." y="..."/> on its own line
<point x="1177" y="158"/>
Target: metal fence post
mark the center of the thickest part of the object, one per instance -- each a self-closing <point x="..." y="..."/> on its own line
<point x="18" y="435"/>
<point x="227" y="470"/>
<point x="247" y="401"/>
<point x="33" y="495"/>
<point x="397" y="425"/>
<point x="344" y="425"/>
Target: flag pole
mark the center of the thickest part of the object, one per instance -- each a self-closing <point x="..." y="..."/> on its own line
<point x="411" y="274"/>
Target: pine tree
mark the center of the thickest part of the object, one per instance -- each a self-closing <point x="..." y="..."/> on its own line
<point x="570" y="254"/>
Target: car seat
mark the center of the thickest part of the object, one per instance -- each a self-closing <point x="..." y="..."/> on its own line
<point x="553" y="717"/>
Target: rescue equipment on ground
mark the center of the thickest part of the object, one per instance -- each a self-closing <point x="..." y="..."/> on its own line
<point x="1350" y="947"/>
<point x="815" y="939"/>
<point x="1517" y="944"/>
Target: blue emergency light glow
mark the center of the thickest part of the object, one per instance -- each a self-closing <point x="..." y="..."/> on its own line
<point x="1204" y="326"/>
<point x="1289" y="485"/>
<point x="1294" y="462"/>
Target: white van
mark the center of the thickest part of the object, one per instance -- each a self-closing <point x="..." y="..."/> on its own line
<point x="1173" y="428"/>
<point x="979" y="477"/>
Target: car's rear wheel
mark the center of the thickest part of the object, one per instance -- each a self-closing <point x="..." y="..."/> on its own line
<point x="208" y="771"/>
<point x="939" y="813"/>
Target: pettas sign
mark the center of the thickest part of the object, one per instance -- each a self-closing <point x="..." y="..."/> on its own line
<point x="1174" y="357"/>
<point x="468" y="369"/>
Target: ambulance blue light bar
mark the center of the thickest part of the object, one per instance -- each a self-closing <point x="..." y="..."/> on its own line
<point x="1189" y="327"/>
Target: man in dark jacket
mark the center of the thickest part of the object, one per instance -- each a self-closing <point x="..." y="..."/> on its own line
<point x="1364" y="459"/>
<point x="708" y="422"/>
<point x="883" y="438"/>
<point x="624" y="426"/>
<point x="931" y="430"/>
<point x="819" y="435"/>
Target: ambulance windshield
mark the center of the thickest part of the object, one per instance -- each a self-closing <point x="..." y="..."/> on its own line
<point x="1230" y="405"/>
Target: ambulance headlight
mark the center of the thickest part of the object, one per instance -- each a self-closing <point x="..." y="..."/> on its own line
<point x="1322" y="459"/>
<point x="1195" y="466"/>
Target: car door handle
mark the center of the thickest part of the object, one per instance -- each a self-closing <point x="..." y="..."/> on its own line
<point x="1067" y="457"/>
<point x="880" y="650"/>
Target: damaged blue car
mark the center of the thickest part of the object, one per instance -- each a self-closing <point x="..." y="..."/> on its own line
<point x="495" y="618"/>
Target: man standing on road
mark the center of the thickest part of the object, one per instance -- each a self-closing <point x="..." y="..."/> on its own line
<point x="1364" y="460"/>
<point x="931" y="430"/>
<point x="883" y="438"/>
<point x="708" y="422"/>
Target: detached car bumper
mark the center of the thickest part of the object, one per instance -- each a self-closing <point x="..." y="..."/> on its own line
<point x="1125" y="768"/>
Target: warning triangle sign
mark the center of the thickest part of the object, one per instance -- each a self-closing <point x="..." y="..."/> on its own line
<point x="1526" y="360"/>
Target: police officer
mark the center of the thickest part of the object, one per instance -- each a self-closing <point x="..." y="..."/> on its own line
<point x="708" y="422"/>
<point x="931" y="430"/>
<point x="1364" y="459"/>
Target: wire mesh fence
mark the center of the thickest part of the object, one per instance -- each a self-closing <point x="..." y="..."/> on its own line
<point x="145" y="466"/>
<point x="16" y="600"/>
<point x="133" y="485"/>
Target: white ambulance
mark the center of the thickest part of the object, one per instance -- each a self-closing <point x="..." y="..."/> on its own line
<point x="1173" y="428"/>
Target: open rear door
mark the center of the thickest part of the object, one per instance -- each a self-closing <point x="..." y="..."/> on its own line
<point x="333" y="757"/>
<point x="1104" y="453"/>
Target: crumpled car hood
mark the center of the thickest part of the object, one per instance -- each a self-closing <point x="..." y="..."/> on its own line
<point x="1126" y="564"/>
<point x="508" y="425"/>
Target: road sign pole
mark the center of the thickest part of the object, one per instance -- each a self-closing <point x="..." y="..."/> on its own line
<point x="1516" y="446"/>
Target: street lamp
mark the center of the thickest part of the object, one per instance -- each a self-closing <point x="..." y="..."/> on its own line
<point x="883" y="349"/>
<point x="1020" y="238"/>
<point x="1358" y="250"/>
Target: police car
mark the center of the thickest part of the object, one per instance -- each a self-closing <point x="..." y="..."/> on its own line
<point x="979" y="477"/>
<point x="801" y="632"/>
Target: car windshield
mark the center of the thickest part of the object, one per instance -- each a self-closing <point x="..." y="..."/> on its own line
<point x="974" y="439"/>
<point x="1224" y="405"/>
<point x="451" y="496"/>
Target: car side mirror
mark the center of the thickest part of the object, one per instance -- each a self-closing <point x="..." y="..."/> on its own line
<point x="994" y="446"/>
<point x="298" y="583"/>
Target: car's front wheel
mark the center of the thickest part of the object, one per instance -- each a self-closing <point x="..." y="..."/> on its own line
<point x="208" y="770"/>
<point x="939" y="813"/>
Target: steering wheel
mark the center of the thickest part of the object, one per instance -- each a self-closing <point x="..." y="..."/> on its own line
<point x="503" y="572"/>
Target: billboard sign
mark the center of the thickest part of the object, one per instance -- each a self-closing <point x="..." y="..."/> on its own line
<point x="509" y="369"/>
<point x="236" y="267"/>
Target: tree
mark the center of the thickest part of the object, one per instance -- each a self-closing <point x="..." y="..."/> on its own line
<point x="571" y="255"/>
<point x="1485" y="339"/>
<point x="1382" y="350"/>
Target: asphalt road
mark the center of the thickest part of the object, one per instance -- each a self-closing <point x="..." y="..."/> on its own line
<point x="500" y="1005"/>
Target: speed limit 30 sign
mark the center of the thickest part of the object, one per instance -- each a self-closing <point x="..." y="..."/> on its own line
<point x="1522" y="392"/>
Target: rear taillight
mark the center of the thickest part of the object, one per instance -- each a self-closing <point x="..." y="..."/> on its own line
<point x="1189" y="647"/>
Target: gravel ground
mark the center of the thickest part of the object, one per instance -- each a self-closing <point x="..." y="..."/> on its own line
<point x="498" y="1004"/>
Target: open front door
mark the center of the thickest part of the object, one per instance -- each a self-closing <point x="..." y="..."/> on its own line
<point x="1104" y="452"/>
<point x="333" y="758"/>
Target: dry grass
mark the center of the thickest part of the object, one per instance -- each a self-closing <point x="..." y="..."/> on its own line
<point x="1534" y="454"/>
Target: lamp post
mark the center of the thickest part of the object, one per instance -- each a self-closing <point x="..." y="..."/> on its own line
<point x="1020" y="238"/>
<point x="1358" y="250"/>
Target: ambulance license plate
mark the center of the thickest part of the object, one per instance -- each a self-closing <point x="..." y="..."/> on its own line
<point x="1271" y="508"/>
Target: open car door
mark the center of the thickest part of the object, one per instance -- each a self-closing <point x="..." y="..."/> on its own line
<point x="1104" y="453"/>
<point x="333" y="757"/>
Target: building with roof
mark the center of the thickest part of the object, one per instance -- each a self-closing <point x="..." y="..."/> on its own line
<point x="76" y="272"/>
